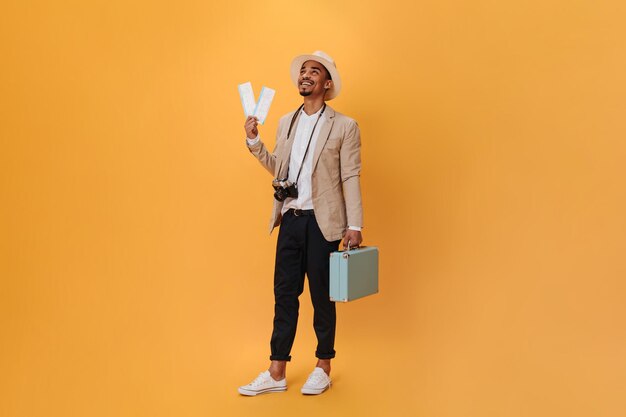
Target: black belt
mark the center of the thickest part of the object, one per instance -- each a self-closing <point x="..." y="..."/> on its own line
<point x="298" y="212"/>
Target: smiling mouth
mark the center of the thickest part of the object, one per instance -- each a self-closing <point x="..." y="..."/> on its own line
<point x="306" y="83"/>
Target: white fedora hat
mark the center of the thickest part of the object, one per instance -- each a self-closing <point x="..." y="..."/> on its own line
<point x="324" y="59"/>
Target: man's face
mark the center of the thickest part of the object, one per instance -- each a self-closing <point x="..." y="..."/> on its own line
<point x="313" y="79"/>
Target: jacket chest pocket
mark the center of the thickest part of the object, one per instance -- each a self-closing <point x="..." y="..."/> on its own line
<point x="333" y="144"/>
<point x="329" y="158"/>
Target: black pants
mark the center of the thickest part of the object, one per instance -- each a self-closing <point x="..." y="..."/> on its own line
<point x="302" y="249"/>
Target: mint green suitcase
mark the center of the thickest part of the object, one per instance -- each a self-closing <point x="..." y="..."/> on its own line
<point x="353" y="273"/>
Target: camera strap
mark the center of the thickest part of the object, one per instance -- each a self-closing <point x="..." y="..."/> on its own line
<point x="319" y="116"/>
<point x="293" y="120"/>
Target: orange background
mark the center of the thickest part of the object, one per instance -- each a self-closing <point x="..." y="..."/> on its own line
<point x="135" y="263"/>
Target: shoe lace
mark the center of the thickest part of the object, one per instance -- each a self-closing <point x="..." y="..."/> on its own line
<point x="259" y="380"/>
<point x="316" y="378"/>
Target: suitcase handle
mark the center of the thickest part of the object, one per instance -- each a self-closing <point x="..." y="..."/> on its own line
<point x="352" y="248"/>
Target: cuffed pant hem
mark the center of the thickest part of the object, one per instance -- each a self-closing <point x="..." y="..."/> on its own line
<point x="280" y="358"/>
<point x="324" y="355"/>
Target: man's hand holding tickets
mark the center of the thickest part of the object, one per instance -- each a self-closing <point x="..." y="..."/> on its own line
<point x="251" y="127"/>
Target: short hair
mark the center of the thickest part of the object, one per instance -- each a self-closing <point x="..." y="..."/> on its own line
<point x="330" y="77"/>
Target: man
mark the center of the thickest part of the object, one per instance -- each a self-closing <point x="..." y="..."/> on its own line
<point x="316" y="164"/>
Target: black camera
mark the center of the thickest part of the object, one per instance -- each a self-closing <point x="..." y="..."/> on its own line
<point x="284" y="189"/>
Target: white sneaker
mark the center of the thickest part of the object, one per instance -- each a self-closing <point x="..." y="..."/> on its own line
<point x="317" y="383"/>
<point x="263" y="383"/>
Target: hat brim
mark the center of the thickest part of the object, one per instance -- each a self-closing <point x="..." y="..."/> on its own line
<point x="296" y="65"/>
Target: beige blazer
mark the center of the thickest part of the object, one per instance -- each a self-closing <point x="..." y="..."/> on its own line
<point x="335" y="182"/>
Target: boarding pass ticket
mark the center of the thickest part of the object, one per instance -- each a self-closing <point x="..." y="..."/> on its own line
<point x="251" y="107"/>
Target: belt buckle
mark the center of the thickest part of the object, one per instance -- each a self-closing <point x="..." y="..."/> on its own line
<point x="297" y="212"/>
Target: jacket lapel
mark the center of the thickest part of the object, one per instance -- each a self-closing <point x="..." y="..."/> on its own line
<point x="323" y="135"/>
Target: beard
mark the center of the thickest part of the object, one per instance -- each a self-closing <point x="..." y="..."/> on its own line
<point x="304" y="93"/>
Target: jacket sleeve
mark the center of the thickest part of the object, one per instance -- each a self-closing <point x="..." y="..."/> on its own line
<point x="350" y="157"/>
<point x="265" y="157"/>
